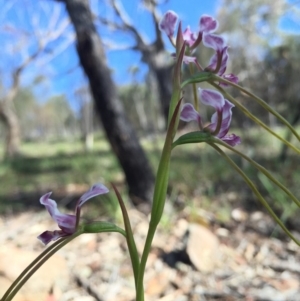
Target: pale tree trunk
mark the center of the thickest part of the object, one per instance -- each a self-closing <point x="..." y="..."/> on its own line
<point x="30" y="45"/>
<point x="10" y="119"/>
<point x="11" y="123"/>
<point x="119" y="131"/>
<point x="87" y="118"/>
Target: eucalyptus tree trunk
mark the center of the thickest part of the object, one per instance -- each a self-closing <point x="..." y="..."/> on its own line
<point x="119" y="131"/>
<point x="10" y="121"/>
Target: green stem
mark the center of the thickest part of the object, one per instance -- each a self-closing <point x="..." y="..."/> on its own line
<point x="159" y="199"/>
<point x="261" y="169"/>
<point x="146" y="251"/>
<point x="160" y="192"/>
<point x="255" y="119"/>
<point x="30" y="266"/>
<point x="176" y="77"/>
<point x="35" y="265"/>
<point x="261" y="102"/>
<point x="196" y="105"/>
<point x="134" y="256"/>
<point x="256" y="192"/>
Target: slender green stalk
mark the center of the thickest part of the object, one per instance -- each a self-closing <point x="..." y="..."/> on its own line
<point x="199" y="77"/>
<point x="159" y="199"/>
<point x="30" y="266"/>
<point x="146" y="251"/>
<point x="162" y="176"/>
<point x="256" y="192"/>
<point x="261" y="102"/>
<point x="176" y="84"/>
<point x="255" y="119"/>
<point x="160" y="192"/>
<point x="261" y="169"/>
<point x="35" y="265"/>
<point x="134" y="256"/>
<point x="196" y="104"/>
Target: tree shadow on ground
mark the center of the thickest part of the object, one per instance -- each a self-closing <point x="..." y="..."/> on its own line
<point x="25" y="179"/>
<point x="55" y="163"/>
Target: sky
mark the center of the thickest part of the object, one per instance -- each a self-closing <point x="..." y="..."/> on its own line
<point x="21" y="28"/>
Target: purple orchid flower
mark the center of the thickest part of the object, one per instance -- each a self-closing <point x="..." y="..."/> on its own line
<point x="221" y="119"/>
<point x="219" y="66"/>
<point x="218" y="63"/>
<point x="226" y="120"/>
<point x="66" y="222"/>
<point x="207" y="25"/>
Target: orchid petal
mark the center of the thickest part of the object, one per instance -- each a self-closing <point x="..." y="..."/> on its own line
<point x="188" y="113"/>
<point x="48" y="236"/>
<point x="66" y="222"/>
<point x="168" y="23"/>
<point x="212" y="98"/>
<point x="226" y="119"/>
<point x="231" y="77"/>
<point x="63" y="220"/>
<point x="214" y="61"/>
<point x="50" y="205"/>
<point x="224" y="60"/>
<point x="232" y="139"/>
<point x="95" y="190"/>
<point x="214" y="41"/>
<point x="208" y="24"/>
<point x="189" y="59"/>
<point x="189" y="37"/>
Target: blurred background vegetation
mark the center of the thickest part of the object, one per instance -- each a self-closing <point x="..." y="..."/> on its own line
<point x="60" y="144"/>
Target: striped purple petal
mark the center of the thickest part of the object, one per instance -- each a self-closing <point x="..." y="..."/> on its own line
<point x="95" y="190"/>
<point x="214" y="41"/>
<point x="208" y="24"/>
<point x="168" y="22"/>
<point x="231" y="77"/>
<point x="212" y="98"/>
<point x="63" y="220"/>
<point x="226" y="119"/>
<point x="189" y="36"/>
<point x="48" y="236"/>
<point x="232" y="139"/>
<point x="188" y="113"/>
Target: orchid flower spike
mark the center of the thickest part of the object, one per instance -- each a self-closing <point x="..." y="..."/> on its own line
<point x="206" y="34"/>
<point x="66" y="222"/>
